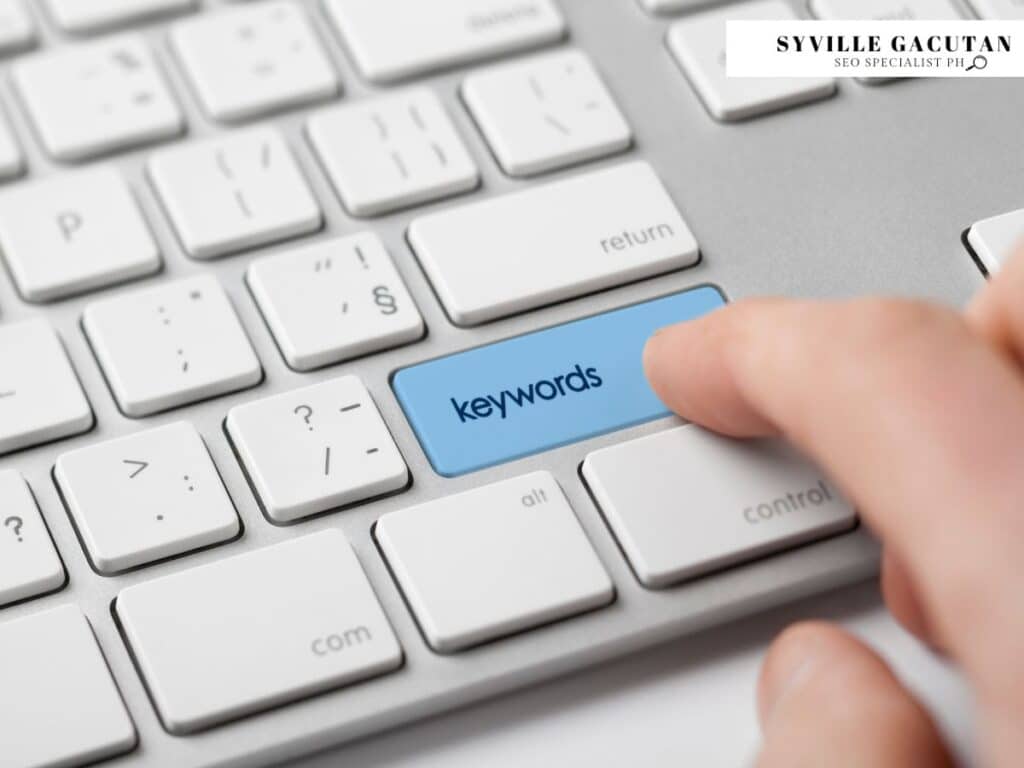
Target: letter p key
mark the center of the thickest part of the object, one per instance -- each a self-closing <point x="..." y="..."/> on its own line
<point x="69" y="222"/>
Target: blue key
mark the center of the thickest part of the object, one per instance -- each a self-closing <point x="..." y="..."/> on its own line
<point x="543" y="390"/>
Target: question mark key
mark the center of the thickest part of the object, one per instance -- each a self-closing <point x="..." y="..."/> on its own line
<point x="31" y="564"/>
<point x="316" y="449"/>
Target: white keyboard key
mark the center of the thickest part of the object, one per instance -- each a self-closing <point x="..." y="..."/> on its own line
<point x="669" y="6"/>
<point x="698" y="43"/>
<point x="687" y="502"/>
<point x="393" y="39"/>
<point x="170" y="345"/>
<point x="145" y="497"/>
<point x="29" y="565"/>
<point x="333" y="301"/>
<point x="257" y="630"/>
<point x="17" y="29"/>
<point x="997" y="239"/>
<point x="895" y="10"/>
<point x="546" y="112"/>
<point x="40" y="397"/>
<point x="12" y="160"/>
<point x="553" y="242"/>
<point x="493" y="561"/>
<point x="316" y="449"/>
<point x="74" y="232"/>
<point x="392" y="152"/>
<point x="96" y="15"/>
<point x="999" y="9"/>
<point x="228" y="194"/>
<point x="88" y="100"/>
<point x="58" y="704"/>
<point x="251" y="60"/>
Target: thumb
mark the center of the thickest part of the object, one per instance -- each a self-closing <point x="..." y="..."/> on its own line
<point x="827" y="699"/>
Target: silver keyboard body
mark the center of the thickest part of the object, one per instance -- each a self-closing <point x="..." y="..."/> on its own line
<point x="866" y="192"/>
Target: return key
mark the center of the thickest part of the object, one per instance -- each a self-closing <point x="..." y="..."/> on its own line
<point x="551" y="243"/>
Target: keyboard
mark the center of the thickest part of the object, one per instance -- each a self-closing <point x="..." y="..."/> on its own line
<point x="321" y="400"/>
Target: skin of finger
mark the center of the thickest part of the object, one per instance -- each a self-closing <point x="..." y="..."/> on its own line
<point x="682" y="351"/>
<point x="827" y="699"/>
<point x="901" y="598"/>
<point x="997" y="312"/>
<point x="917" y="419"/>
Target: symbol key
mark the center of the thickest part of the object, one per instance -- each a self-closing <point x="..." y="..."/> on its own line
<point x="29" y="565"/>
<point x="392" y="152"/>
<point x="316" y="449"/>
<point x="40" y="397"/>
<point x="334" y="301"/>
<point x="171" y="345"/>
<point x="235" y="192"/>
<point x="546" y="112"/>
<point x="250" y="60"/>
<point x="92" y="99"/>
<point x="145" y="497"/>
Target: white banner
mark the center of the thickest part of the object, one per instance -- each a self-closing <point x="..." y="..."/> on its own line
<point x="805" y="48"/>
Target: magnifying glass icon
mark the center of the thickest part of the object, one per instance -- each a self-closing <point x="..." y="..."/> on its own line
<point x="979" y="63"/>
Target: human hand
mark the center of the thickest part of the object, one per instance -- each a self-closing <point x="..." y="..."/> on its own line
<point x="917" y="412"/>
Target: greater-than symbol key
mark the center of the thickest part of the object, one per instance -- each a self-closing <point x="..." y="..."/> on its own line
<point x="141" y="466"/>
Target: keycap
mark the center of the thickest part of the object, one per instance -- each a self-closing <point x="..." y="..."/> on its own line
<point x="151" y="495"/>
<point x="698" y="43"/>
<point x="997" y="239"/>
<point x="12" y="160"/>
<point x="392" y="152"/>
<point x="247" y="61"/>
<point x="686" y="502"/>
<point x="40" y="397"/>
<point x="395" y="39"/>
<point x="74" y="232"/>
<point x="17" y="29"/>
<point x="553" y="242"/>
<point x="96" y="98"/>
<point x="885" y="9"/>
<point x="58" y="704"/>
<point x="256" y="630"/>
<point x="543" y="390"/>
<point x="334" y="301"/>
<point x="29" y="565"/>
<point x="235" y="192"/>
<point x="999" y="9"/>
<point x="170" y="345"/>
<point x="97" y="15"/>
<point x="669" y="6"/>
<point x="546" y="112"/>
<point x="317" y="448"/>
<point x="493" y="561"/>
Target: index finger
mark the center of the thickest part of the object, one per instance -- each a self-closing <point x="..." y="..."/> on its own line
<point x="918" y="419"/>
